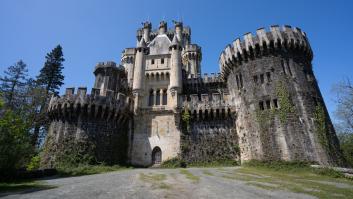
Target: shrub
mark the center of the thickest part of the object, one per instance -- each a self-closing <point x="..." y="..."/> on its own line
<point x="34" y="164"/>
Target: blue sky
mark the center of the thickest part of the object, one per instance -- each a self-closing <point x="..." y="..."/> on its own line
<point x="91" y="31"/>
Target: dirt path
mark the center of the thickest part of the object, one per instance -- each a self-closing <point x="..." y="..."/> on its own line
<point x="157" y="183"/>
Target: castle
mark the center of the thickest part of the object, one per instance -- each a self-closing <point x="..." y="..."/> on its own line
<point x="265" y="103"/>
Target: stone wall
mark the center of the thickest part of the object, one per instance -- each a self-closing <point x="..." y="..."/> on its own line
<point x="208" y="141"/>
<point x="105" y="141"/>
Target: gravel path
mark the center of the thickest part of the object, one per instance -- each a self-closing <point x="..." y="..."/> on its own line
<point x="155" y="183"/>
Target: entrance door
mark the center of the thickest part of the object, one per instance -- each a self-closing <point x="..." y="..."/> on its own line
<point x="156" y="155"/>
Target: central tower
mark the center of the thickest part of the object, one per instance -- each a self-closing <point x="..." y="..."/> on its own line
<point x="155" y="70"/>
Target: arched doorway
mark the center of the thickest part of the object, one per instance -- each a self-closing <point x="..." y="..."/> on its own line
<point x="156" y="155"/>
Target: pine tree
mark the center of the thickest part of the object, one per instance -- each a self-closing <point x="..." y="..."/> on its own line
<point x="49" y="79"/>
<point x="13" y="85"/>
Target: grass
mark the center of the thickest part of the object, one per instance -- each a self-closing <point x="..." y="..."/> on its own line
<point x="23" y="185"/>
<point x="87" y="170"/>
<point x="179" y="163"/>
<point x="155" y="179"/>
<point x="294" y="177"/>
<point x="190" y="176"/>
<point x="207" y="173"/>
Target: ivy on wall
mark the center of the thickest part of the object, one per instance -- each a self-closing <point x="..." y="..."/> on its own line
<point x="286" y="107"/>
<point x="185" y="117"/>
<point x="322" y="130"/>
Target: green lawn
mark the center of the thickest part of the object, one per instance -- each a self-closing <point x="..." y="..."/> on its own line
<point x="23" y="185"/>
<point x="295" y="180"/>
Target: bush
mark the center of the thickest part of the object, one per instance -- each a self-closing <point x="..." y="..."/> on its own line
<point x="174" y="163"/>
<point x="328" y="172"/>
<point x="278" y="164"/>
<point x="87" y="169"/>
<point x="178" y="162"/>
<point x="34" y="164"/>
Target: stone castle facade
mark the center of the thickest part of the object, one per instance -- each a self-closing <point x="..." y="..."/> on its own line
<point x="265" y="103"/>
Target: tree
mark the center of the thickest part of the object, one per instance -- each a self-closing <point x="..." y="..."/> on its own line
<point x="13" y="85"/>
<point x="344" y="118"/>
<point x="50" y="76"/>
<point x="15" y="146"/>
<point x="49" y="79"/>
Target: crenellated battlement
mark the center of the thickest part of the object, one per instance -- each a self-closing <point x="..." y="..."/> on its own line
<point x="204" y="79"/>
<point x="264" y="42"/>
<point x="211" y="106"/>
<point x="112" y="106"/>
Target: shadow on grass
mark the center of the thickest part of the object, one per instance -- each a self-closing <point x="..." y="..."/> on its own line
<point x="22" y="187"/>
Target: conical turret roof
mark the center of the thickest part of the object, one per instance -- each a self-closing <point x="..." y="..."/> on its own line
<point x="175" y="41"/>
<point x="142" y="43"/>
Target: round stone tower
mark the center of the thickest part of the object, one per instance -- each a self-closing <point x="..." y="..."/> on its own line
<point x="90" y="126"/>
<point x="281" y="114"/>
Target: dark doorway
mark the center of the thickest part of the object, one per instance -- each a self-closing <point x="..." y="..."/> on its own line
<point x="156" y="155"/>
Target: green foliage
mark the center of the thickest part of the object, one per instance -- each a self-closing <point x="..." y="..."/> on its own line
<point x="34" y="163"/>
<point x="278" y="165"/>
<point x="292" y="166"/>
<point x="13" y="85"/>
<point x="84" y="169"/>
<point x="285" y="105"/>
<point x="328" y="172"/>
<point x="23" y="185"/>
<point x="179" y="163"/>
<point x="15" y="147"/>
<point x="173" y="163"/>
<point x="346" y="143"/>
<point x="68" y="153"/>
<point x="50" y="75"/>
<point x="185" y="117"/>
<point x="264" y="118"/>
<point x="321" y="127"/>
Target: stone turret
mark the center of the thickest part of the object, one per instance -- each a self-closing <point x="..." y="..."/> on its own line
<point x="162" y="28"/>
<point x="277" y="98"/>
<point x="108" y="77"/>
<point x="128" y="61"/>
<point x="192" y="60"/>
<point x="139" y="71"/>
<point x="176" y="66"/>
<point x="147" y="26"/>
<point x="179" y="31"/>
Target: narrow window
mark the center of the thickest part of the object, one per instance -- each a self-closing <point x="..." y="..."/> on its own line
<point x="268" y="74"/>
<point x="262" y="79"/>
<point x="241" y="80"/>
<point x="162" y="61"/>
<point x="158" y="97"/>
<point x="152" y="61"/>
<point x="261" y="105"/>
<point x="150" y="98"/>
<point x="255" y="79"/>
<point x="165" y="97"/>
<point x="283" y="68"/>
<point x="289" y="70"/>
<point x="238" y="84"/>
<point x="275" y="103"/>
<point x="268" y="104"/>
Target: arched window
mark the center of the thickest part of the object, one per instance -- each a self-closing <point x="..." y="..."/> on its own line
<point x="158" y="97"/>
<point x="165" y="97"/>
<point x="150" y="98"/>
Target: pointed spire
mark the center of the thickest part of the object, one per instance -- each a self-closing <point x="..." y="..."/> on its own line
<point x="175" y="41"/>
<point x="142" y="43"/>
